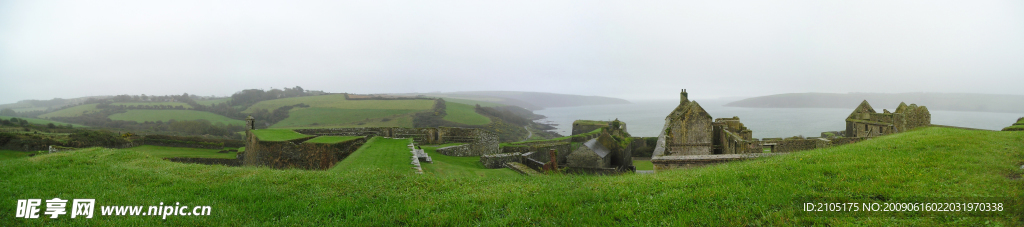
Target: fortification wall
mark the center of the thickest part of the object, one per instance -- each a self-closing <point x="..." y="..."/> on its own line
<point x="457" y="151"/>
<point x="792" y="145"/>
<point x="496" y="161"/>
<point x="295" y="154"/>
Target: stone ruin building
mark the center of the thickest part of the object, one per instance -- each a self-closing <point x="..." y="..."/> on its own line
<point x="690" y="138"/>
<point x="603" y="150"/>
<point x="865" y="122"/>
<point x="297" y="154"/>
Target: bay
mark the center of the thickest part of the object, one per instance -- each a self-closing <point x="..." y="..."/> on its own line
<point x="646" y="118"/>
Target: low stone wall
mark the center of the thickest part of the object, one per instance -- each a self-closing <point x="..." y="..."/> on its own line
<point x="593" y="171"/>
<point x="457" y="151"/>
<point x="792" y="145"/>
<point x="523" y="169"/>
<point x="207" y="161"/>
<point x="496" y="161"/>
<point x="515" y="149"/>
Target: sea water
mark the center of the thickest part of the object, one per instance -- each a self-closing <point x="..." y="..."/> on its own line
<point x="646" y="118"/>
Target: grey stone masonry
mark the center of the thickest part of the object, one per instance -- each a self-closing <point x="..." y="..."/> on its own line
<point x="523" y="169"/>
<point x="496" y="161"/>
<point x="458" y="151"/>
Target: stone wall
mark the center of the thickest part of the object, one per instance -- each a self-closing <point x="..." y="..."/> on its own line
<point x="206" y="161"/>
<point x="457" y="151"/>
<point x="792" y="145"/>
<point x="295" y="154"/>
<point x="496" y="161"/>
<point x="847" y="140"/>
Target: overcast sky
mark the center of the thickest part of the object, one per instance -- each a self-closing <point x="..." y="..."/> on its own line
<point x="626" y="49"/>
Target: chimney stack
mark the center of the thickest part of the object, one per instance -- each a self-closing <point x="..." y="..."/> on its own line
<point x="683" y="97"/>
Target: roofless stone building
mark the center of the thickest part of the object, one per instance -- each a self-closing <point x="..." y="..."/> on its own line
<point x="865" y="122"/>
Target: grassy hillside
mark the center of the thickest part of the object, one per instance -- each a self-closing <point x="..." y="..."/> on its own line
<point x="165" y="115"/>
<point x="301" y="117"/>
<point x="72" y="111"/>
<point x="278" y="134"/>
<point x="332" y="139"/>
<point x="173" y="104"/>
<point x="338" y="101"/>
<point x="213" y="101"/>
<point x="462" y="113"/>
<point x="42" y="121"/>
<point x="931" y="162"/>
<point x="1018" y="126"/>
<point x="379" y="154"/>
<point x="171" y="152"/>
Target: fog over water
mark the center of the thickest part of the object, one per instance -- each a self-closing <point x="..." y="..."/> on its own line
<point x="648" y="118"/>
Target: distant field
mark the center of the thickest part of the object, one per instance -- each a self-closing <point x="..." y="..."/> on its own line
<point x="471" y="102"/>
<point x="299" y="117"/>
<point x="332" y="139"/>
<point x="185" y="105"/>
<point x="460" y="166"/>
<point x="72" y="112"/>
<point x="26" y="109"/>
<point x="466" y="114"/>
<point x="9" y="154"/>
<point x="379" y="153"/>
<point x="42" y="121"/>
<point x="339" y="102"/>
<point x="165" y="115"/>
<point x="212" y="101"/>
<point x="173" y="152"/>
<point x="278" y="134"/>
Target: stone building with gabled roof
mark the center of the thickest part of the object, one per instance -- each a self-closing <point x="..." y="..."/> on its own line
<point x="687" y="130"/>
<point x="603" y="154"/>
<point x="864" y="121"/>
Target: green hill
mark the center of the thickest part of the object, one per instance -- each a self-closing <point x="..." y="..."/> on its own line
<point x="333" y="117"/>
<point x="42" y="121"/>
<point x="338" y="101"/>
<point x="172" y="104"/>
<point x="929" y="162"/>
<point x="166" y="115"/>
<point x="72" y="111"/>
<point x="466" y="114"/>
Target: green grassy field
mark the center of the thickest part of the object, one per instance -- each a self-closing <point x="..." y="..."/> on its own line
<point x="213" y="101"/>
<point x="471" y="102"/>
<point x="332" y="139"/>
<point x="72" y="111"/>
<point x="326" y="117"/>
<point x="9" y="154"/>
<point x="43" y="121"/>
<point x="338" y="101"/>
<point x="466" y="114"/>
<point x="278" y="134"/>
<point x="451" y="166"/>
<point x="183" y="105"/>
<point x="379" y="154"/>
<point x="643" y="164"/>
<point x="165" y="115"/>
<point x="929" y="162"/>
<point x="175" y="152"/>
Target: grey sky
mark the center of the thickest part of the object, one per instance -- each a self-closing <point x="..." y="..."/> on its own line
<point x="625" y="49"/>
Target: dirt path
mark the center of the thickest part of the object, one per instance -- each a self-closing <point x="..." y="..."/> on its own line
<point x="528" y="131"/>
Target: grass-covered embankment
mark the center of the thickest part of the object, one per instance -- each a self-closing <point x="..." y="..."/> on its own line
<point x="332" y="139"/>
<point x="930" y="162"/>
<point x="380" y="154"/>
